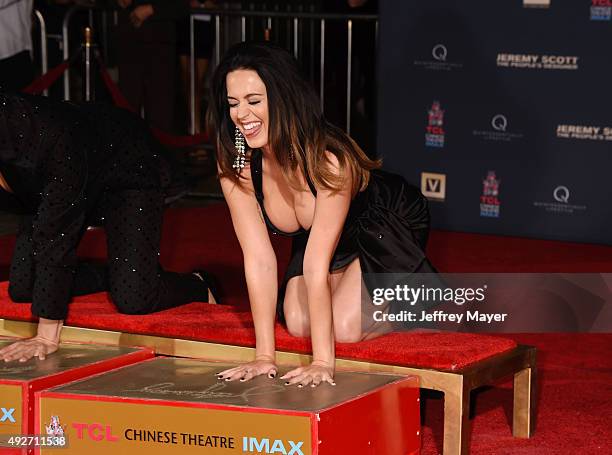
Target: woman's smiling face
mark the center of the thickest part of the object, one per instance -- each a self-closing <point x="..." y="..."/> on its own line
<point x="248" y="105"/>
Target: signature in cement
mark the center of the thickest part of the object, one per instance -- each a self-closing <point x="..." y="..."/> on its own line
<point x="17" y="370"/>
<point x="213" y="392"/>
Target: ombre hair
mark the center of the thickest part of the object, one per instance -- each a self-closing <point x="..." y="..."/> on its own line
<point x="299" y="134"/>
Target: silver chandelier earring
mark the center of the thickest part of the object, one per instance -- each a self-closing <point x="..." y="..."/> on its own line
<point x="240" y="158"/>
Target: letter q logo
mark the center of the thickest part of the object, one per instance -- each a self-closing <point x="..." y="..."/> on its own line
<point x="561" y="194"/>
<point x="499" y="122"/>
<point x="439" y="52"/>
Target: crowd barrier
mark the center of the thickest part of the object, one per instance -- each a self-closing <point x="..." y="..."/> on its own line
<point x="45" y="81"/>
<point x="288" y="27"/>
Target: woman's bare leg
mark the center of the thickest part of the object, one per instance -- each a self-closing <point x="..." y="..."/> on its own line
<point x="295" y="307"/>
<point x="347" y="307"/>
<point x="352" y="307"/>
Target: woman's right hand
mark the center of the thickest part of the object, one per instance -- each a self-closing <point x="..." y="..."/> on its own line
<point x="249" y="370"/>
<point x="25" y="350"/>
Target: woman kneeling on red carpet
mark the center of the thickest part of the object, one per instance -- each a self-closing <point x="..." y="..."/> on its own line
<point x="285" y="169"/>
<point x="65" y="167"/>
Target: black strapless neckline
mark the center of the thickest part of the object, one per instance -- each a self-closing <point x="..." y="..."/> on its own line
<point x="257" y="178"/>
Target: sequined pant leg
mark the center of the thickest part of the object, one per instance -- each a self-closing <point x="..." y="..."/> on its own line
<point x="89" y="277"/>
<point x="138" y="285"/>
<point x="21" y="275"/>
<point x="136" y="282"/>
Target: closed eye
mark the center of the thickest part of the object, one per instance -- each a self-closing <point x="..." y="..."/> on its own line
<point x="252" y="103"/>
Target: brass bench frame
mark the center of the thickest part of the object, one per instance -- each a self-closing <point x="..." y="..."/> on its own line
<point x="456" y="385"/>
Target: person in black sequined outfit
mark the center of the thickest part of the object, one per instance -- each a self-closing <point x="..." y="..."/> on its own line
<point x="65" y="167"/>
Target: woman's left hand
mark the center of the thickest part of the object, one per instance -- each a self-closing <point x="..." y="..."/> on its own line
<point x="313" y="374"/>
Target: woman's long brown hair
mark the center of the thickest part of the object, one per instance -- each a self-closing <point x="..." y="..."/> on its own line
<point x="299" y="135"/>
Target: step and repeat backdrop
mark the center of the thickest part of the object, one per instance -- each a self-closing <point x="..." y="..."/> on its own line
<point x="501" y="112"/>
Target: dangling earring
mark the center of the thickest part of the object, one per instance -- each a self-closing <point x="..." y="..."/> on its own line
<point x="240" y="158"/>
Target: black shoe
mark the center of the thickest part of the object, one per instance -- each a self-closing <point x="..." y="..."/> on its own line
<point x="210" y="282"/>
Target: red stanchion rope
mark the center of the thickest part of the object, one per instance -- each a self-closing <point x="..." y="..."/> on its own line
<point x="163" y="137"/>
<point x="46" y="80"/>
<point x="114" y="91"/>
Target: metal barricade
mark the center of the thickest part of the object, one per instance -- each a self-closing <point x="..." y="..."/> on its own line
<point x="294" y="18"/>
<point x="293" y="21"/>
<point x="66" y="44"/>
<point x="44" y="63"/>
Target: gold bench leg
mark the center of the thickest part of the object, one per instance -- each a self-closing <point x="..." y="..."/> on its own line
<point x="523" y="418"/>
<point x="457" y="419"/>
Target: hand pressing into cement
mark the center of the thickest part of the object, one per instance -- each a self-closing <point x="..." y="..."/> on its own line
<point x="314" y="374"/>
<point x="250" y="370"/>
<point x="25" y="350"/>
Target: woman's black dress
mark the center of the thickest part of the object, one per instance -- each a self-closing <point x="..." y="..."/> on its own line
<point x="387" y="227"/>
<point x="71" y="166"/>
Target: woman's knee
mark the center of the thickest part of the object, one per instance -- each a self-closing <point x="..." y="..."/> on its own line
<point x="295" y="308"/>
<point x="19" y="293"/>
<point x="297" y="322"/>
<point x="129" y="303"/>
<point x="347" y="329"/>
<point x="132" y="310"/>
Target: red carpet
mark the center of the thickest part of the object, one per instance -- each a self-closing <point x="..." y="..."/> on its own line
<point x="203" y="237"/>
<point x="574" y="403"/>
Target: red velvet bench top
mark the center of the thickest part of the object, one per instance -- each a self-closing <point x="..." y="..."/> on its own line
<point x="231" y="325"/>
